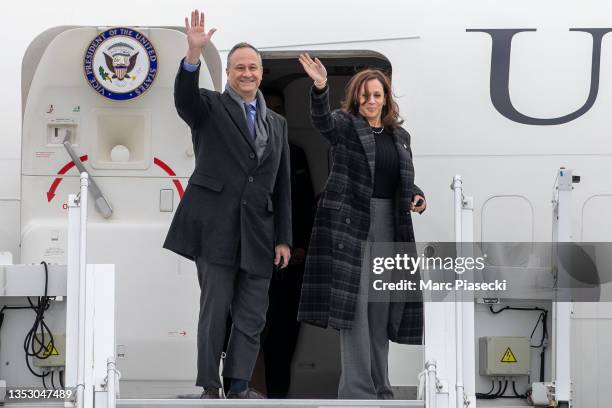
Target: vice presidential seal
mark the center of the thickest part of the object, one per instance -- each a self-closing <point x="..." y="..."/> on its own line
<point x="120" y="63"/>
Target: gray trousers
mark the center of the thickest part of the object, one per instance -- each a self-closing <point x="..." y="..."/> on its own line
<point x="225" y="289"/>
<point x="364" y="349"/>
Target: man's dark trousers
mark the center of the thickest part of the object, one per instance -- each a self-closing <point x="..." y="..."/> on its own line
<point x="229" y="289"/>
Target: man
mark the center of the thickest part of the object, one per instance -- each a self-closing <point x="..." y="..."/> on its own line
<point x="234" y="219"/>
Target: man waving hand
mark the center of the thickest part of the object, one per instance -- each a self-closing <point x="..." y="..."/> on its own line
<point x="234" y="219"/>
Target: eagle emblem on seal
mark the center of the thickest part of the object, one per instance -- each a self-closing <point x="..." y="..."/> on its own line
<point x="120" y="60"/>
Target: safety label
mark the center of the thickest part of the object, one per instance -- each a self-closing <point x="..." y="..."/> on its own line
<point x="508" y="357"/>
<point x="50" y="350"/>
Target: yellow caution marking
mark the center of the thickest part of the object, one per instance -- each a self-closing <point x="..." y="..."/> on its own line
<point x="50" y="350"/>
<point x="508" y="357"/>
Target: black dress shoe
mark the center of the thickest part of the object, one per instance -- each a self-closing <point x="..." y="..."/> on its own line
<point x="210" y="393"/>
<point x="249" y="393"/>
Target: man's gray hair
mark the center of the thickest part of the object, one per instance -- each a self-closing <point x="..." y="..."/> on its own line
<point x="243" y="45"/>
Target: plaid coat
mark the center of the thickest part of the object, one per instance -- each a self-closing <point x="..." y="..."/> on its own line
<point x="333" y="263"/>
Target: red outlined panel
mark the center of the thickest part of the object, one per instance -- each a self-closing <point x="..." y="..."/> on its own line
<point x="51" y="192"/>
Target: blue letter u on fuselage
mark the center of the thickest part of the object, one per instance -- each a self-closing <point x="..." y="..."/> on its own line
<point x="500" y="75"/>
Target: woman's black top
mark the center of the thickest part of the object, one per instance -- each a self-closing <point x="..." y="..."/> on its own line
<point x="386" y="175"/>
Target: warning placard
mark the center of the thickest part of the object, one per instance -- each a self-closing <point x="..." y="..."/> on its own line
<point x="508" y="357"/>
<point x="50" y="350"/>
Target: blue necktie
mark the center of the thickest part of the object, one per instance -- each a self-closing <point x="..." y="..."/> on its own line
<point x="250" y="114"/>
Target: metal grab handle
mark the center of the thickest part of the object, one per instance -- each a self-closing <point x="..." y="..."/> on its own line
<point x="101" y="203"/>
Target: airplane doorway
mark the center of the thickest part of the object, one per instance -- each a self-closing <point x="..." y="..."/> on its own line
<point x="305" y="363"/>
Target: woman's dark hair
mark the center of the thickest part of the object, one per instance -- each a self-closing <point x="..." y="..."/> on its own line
<point x="390" y="112"/>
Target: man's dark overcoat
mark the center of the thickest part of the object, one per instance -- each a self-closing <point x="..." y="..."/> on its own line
<point x="237" y="206"/>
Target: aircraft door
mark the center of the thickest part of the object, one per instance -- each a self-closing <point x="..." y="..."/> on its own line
<point x="108" y="93"/>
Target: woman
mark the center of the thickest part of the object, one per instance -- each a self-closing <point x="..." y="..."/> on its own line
<point x="368" y="196"/>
